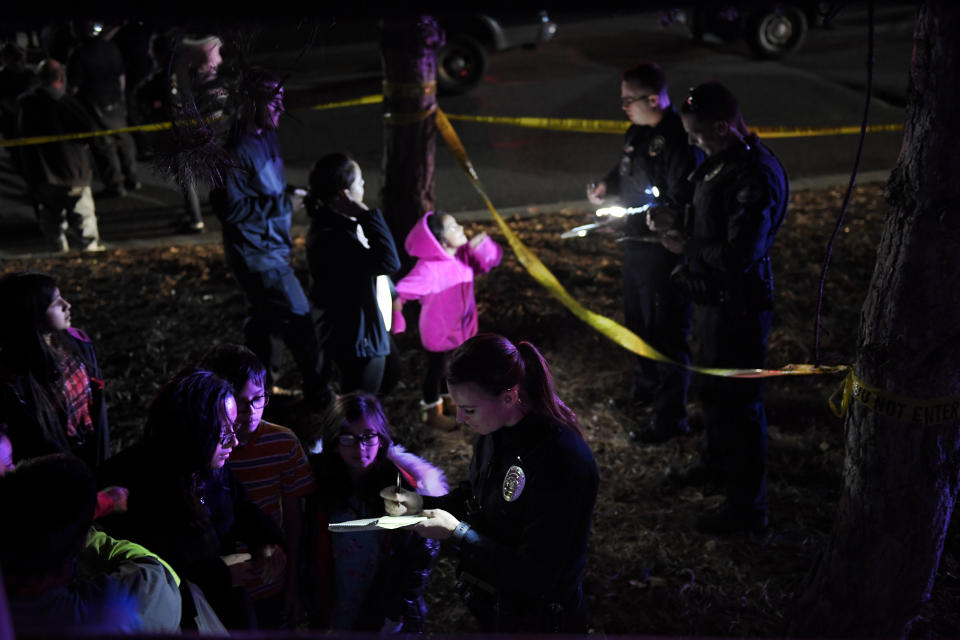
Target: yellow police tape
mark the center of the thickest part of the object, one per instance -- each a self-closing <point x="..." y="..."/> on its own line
<point x="616" y="332"/>
<point x="578" y="125"/>
<point x="925" y="412"/>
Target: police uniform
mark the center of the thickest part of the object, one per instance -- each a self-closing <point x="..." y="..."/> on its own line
<point x="656" y="156"/>
<point x="739" y="202"/>
<point x="526" y="510"/>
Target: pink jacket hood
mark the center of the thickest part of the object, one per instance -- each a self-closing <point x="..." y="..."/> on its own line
<point x="443" y="284"/>
<point x="421" y="243"/>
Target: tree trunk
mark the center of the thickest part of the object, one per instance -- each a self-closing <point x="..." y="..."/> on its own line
<point x="409" y="48"/>
<point x="900" y="476"/>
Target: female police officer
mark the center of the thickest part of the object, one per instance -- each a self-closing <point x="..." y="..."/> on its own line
<point x="521" y="522"/>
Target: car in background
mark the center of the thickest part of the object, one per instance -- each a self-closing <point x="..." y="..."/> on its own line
<point x="772" y="29"/>
<point x="470" y="37"/>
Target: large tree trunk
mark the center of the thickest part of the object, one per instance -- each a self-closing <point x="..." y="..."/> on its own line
<point x="409" y="48"/>
<point x="900" y="477"/>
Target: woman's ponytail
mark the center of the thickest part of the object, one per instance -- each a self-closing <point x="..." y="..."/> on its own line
<point x="540" y="390"/>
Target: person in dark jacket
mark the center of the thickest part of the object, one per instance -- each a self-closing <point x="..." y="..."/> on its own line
<point x="58" y="173"/>
<point x="255" y="212"/>
<point x="653" y="170"/>
<point x="186" y="506"/>
<point x="740" y="199"/>
<point x="51" y="388"/>
<point x="97" y="76"/>
<point x="521" y="523"/>
<point x="350" y="252"/>
<point x="366" y="581"/>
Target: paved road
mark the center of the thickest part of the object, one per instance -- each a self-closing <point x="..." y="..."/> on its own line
<point x="575" y="75"/>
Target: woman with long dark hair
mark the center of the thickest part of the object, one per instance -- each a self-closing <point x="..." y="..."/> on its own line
<point x="184" y="503"/>
<point x="520" y="524"/>
<point x="367" y="581"/>
<point x="51" y="391"/>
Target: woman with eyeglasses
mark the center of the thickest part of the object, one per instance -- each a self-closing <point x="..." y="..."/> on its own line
<point x="186" y="506"/>
<point x="519" y="526"/>
<point x="366" y="581"/>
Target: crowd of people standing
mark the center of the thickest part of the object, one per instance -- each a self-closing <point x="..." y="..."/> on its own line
<point x="230" y="514"/>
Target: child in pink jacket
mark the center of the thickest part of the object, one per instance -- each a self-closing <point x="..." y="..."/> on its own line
<point x="442" y="280"/>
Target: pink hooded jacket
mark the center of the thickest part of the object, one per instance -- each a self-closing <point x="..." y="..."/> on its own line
<point x="444" y="286"/>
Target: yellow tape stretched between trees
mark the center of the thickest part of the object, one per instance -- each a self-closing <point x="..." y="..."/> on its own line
<point x="574" y="125"/>
<point x="616" y="332"/>
<point x="927" y="412"/>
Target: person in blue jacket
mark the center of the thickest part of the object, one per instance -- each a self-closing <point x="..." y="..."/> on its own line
<point x="255" y="211"/>
<point x="521" y="522"/>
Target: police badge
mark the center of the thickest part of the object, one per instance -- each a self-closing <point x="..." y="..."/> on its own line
<point x="656" y="146"/>
<point x="513" y="483"/>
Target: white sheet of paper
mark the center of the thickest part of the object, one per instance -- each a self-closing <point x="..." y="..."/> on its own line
<point x="375" y="524"/>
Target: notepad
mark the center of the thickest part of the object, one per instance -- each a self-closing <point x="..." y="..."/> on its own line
<point x="375" y="524"/>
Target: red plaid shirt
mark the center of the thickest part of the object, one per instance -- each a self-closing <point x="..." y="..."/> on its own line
<point x="77" y="397"/>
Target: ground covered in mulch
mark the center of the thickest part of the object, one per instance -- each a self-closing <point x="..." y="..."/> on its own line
<point x="152" y="311"/>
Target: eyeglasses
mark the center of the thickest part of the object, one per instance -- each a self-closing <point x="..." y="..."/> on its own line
<point x="350" y="440"/>
<point x="255" y="403"/>
<point x="626" y="101"/>
<point x="228" y="435"/>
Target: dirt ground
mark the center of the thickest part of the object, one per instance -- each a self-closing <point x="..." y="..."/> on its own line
<point x="649" y="572"/>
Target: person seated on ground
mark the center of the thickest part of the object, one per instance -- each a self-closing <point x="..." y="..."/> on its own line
<point x="186" y="506"/>
<point x="366" y="581"/>
<point x="351" y="254"/>
<point x="271" y="465"/>
<point x="51" y="389"/>
<point x="62" y="576"/>
<point x="442" y="280"/>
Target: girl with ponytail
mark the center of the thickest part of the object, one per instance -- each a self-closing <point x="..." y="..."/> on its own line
<point x="520" y="523"/>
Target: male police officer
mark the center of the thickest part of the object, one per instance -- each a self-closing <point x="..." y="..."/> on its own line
<point x="740" y="199"/>
<point x="653" y="169"/>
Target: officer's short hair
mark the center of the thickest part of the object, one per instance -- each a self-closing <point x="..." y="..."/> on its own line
<point x="647" y="76"/>
<point x="712" y="101"/>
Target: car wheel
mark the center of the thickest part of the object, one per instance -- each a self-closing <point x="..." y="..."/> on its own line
<point x="461" y="64"/>
<point x="776" y="30"/>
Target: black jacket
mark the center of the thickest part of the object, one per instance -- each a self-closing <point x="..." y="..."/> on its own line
<point x="527" y="552"/>
<point x="658" y="157"/>
<point x="188" y="526"/>
<point x="65" y="163"/>
<point x="25" y="428"/>
<point x="740" y="200"/>
<point x="343" y="280"/>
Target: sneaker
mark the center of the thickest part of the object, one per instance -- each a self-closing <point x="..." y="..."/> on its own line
<point x="192" y="226"/>
<point x="94" y="247"/>
<point x="696" y="473"/>
<point x="655" y="434"/>
<point x="727" y="519"/>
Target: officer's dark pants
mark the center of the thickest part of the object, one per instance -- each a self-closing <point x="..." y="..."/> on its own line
<point x="280" y="314"/>
<point x="656" y="312"/>
<point x="733" y="414"/>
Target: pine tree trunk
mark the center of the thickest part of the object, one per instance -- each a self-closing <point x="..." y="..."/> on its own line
<point x="409" y="48"/>
<point x="900" y="478"/>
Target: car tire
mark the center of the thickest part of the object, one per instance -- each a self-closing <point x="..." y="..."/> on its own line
<point x="776" y="30"/>
<point x="461" y="64"/>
